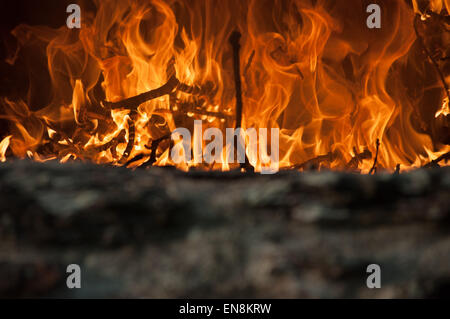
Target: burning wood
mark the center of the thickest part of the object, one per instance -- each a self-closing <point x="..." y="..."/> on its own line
<point x="397" y="169"/>
<point x="420" y="39"/>
<point x="314" y="162"/>
<point x="133" y="103"/>
<point x="131" y="137"/>
<point x="154" y="148"/>
<point x="374" y="166"/>
<point x="294" y="81"/>
<point x="111" y="145"/>
<point x="358" y="158"/>
<point x="435" y="163"/>
<point x="234" y="41"/>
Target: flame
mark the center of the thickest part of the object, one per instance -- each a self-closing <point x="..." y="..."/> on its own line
<point x="310" y="68"/>
<point x="444" y="110"/>
<point x="4" y="144"/>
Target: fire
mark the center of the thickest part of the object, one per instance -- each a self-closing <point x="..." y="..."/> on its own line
<point x="444" y="110"/>
<point x="138" y="70"/>
<point x="3" y="147"/>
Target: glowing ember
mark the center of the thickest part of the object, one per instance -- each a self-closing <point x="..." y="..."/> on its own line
<point x="137" y="70"/>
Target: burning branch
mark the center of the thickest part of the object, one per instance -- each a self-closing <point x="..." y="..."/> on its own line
<point x="234" y="41"/>
<point x="430" y="56"/>
<point x="133" y="103"/>
<point x="314" y="162"/>
<point x="374" y="166"/>
<point x="131" y="136"/>
<point x="170" y="87"/>
<point x="152" y="158"/>
<point x="190" y="89"/>
<point x="435" y="163"/>
<point x="358" y="158"/>
<point x="154" y="147"/>
<point x="120" y="138"/>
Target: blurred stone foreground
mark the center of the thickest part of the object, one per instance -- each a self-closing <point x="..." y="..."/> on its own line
<point x="162" y="233"/>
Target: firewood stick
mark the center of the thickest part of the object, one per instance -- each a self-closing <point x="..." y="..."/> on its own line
<point x="171" y="86"/>
<point x="353" y="163"/>
<point x="131" y="137"/>
<point x="154" y="147"/>
<point x="133" y="103"/>
<point x="430" y="56"/>
<point x="191" y="89"/>
<point x="234" y="41"/>
<point x="435" y="163"/>
<point x="120" y="138"/>
<point x="314" y="161"/>
<point x="374" y="166"/>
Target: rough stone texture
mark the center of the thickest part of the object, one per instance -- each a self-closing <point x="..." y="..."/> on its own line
<point x="164" y="233"/>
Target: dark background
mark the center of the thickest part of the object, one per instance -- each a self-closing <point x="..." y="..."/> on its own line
<point x="47" y="12"/>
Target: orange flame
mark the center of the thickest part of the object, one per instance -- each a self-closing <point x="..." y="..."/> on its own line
<point x="310" y="68"/>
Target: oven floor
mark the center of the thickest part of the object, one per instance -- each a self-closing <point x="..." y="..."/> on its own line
<point x="162" y="233"/>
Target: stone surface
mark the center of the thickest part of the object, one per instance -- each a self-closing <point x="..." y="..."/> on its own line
<point x="163" y="233"/>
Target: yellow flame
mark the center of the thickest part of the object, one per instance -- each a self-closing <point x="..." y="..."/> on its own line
<point x="4" y="144"/>
<point x="444" y="110"/>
